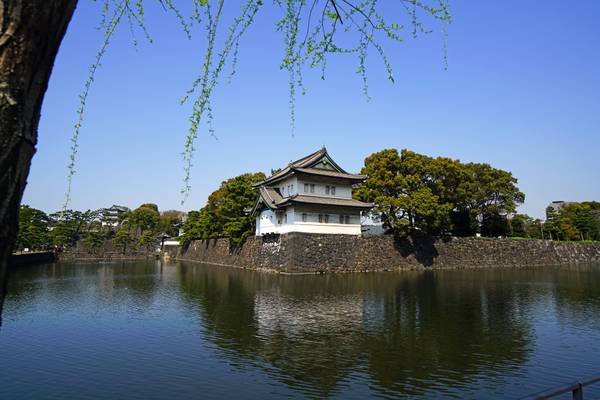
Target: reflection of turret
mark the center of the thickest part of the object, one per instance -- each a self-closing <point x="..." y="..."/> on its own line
<point x="276" y="312"/>
<point x="314" y="341"/>
<point x="408" y="333"/>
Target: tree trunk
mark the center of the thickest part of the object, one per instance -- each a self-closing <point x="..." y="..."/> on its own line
<point x="30" y="33"/>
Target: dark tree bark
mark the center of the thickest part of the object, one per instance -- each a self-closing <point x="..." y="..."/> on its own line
<point x="30" y="33"/>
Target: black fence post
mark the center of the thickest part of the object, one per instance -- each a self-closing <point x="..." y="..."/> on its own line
<point x="578" y="392"/>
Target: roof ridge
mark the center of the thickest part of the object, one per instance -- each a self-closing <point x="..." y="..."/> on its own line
<point x="321" y="151"/>
<point x="325" y="171"/>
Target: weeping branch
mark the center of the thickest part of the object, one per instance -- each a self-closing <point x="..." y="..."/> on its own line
<point x="364" y="25"/>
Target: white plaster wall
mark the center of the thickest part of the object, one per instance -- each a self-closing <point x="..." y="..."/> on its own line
<point x="313" y="217"/>
<point x="311" y="227"/>
<point x="267" y="223"/>
<point x="342" y="191"/>
<point x="285" y="186"/>
<point x="291" y="215"/>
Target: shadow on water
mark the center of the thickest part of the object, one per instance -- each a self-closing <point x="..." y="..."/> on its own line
<point x="405" y="332"/>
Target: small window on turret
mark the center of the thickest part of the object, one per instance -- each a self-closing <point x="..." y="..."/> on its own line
<point x="326" y="189"/>
<point x="333" y="190"/>
<point x="306" y="188"/>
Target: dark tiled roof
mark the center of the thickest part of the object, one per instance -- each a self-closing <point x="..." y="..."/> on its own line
<point x="272" y="199"/>
<point x="304" y="163"/>
<point x="334" y="174"/>
<point x="271" y="196"/>
<point x="330" y="201"/>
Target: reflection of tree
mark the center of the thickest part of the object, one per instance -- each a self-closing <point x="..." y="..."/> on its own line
<point x="132" y="284"/>
<point x="439" y="327"/>
<point x="245" y="312"/>
<point x="576" y="291"/>
<point x="226" y="303"/>
<point x="406" y="330"/>
<point x="314" y="341"/>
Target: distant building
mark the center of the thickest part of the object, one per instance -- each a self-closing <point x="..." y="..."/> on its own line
<point x="558" y="204"/>
<point x="112" y="216"/>
<point x="312" y="194"/>
<point x="181" y="215"/>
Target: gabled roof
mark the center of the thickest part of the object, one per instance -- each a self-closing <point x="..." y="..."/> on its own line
<point x="328" y="201"/>
<point x="333" y="174"/>
<point x="267" y="196"/>
<point x="307" y="165"/>
<point x="271" y="198"/>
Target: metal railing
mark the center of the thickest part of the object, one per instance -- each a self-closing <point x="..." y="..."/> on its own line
<point x="576" y="389"/>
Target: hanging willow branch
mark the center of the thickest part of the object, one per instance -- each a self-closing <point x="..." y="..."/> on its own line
<point x="312" y="31"/>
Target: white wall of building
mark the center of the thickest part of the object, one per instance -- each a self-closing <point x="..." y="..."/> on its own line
<point x="292" y="186"/>
<point x="294" y="221"/>
<point x="288" y="187"/>
<point x="342" y="191"/>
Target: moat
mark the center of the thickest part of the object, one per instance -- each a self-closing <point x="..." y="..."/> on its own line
<point x="146" y="330"/>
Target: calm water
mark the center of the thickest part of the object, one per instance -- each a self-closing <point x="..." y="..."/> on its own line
<point x="189" y="331"/>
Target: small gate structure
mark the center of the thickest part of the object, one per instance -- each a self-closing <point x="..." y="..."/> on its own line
<point x="576" y="389"/>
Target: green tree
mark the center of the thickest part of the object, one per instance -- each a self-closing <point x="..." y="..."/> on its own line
<point x="492" y="194"/>
<point x="522" y="225"/>
<point x="144" y="218"/>
<point x="494" y="223"/>
<point x="151" y="206"/>
<point x="578" y="222"/>
<point x="551" y="226"/>
<point x="33" y="229"/>
<point x="518" y="226"/>
<point x="93" y="240"/>
<point x="147" y="240"/>
<point x="122" y="239"/>
<point x="413" y="192"/>
<point x="404" y="190"/>
<point x="535" y="227"/>
<point x="170" y="222"/>
<point x="224" y="215"/>
<point x="27" y="56"/>
<point x="69" y="226"/>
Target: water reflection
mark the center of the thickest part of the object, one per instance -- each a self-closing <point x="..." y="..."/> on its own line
<point x="411" y="333"/>
<point x="183" y="329"/>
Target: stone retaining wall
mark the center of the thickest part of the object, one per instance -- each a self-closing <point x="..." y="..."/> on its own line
<point x="106" y="252"/>
<point x="314" y="253"/>
<point x="39" y="257"/>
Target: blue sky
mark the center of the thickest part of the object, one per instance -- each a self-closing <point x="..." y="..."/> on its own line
<point x="522" y="92"/>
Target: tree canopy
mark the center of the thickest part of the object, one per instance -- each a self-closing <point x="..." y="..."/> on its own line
<point x="63" y="229"/>
<point x="145" y="218"/>
<point x="224" y="215"/>
<point x="574" y="221"/>
<point x="122" y="239"/>
<point x="33" y="228"/>
<point x="416" y="193"/>
<point x="37" y="230"/>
